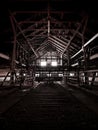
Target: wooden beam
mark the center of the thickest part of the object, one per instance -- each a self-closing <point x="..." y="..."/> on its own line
<point x="24" y="36"/>
<point x="4" y="56"/>
<point x="73" y="36"/>
<point x="86" y="44"/>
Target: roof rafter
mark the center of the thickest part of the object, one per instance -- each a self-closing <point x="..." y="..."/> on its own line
<point x="23" y="35"/>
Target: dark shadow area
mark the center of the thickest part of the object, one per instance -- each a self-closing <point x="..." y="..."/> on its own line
<point x="49" y="106"/>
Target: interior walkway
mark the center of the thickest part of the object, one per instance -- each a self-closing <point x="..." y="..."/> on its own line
<point x="49" y="106"/>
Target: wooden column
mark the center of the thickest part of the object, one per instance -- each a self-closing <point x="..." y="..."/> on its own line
<point x="84" y="52"/>
<point x="13" y="58"/>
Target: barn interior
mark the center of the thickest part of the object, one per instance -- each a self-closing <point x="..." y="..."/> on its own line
<point x="48" y="42"/>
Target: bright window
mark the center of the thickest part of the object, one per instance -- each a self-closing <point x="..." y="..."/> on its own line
<point x="54" y="63"/>
<point x="43" y="63"/>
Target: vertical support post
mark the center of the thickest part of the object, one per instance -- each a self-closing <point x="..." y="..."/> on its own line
<point x="78" y="74"/>
<point x="61" y="59"/>
<point x="68" y="66"/>
<point x="33" y="77"/>
<point x="85" y="63"/>
<point x="33" y="74"/>
<point x="13" y="63"/>
<point x="68" y="58"/>
<point x="48" y="19"/>
<point x="48" y="27"/>
<point x="93" y="78"/>
<point x="84" y="52"/>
